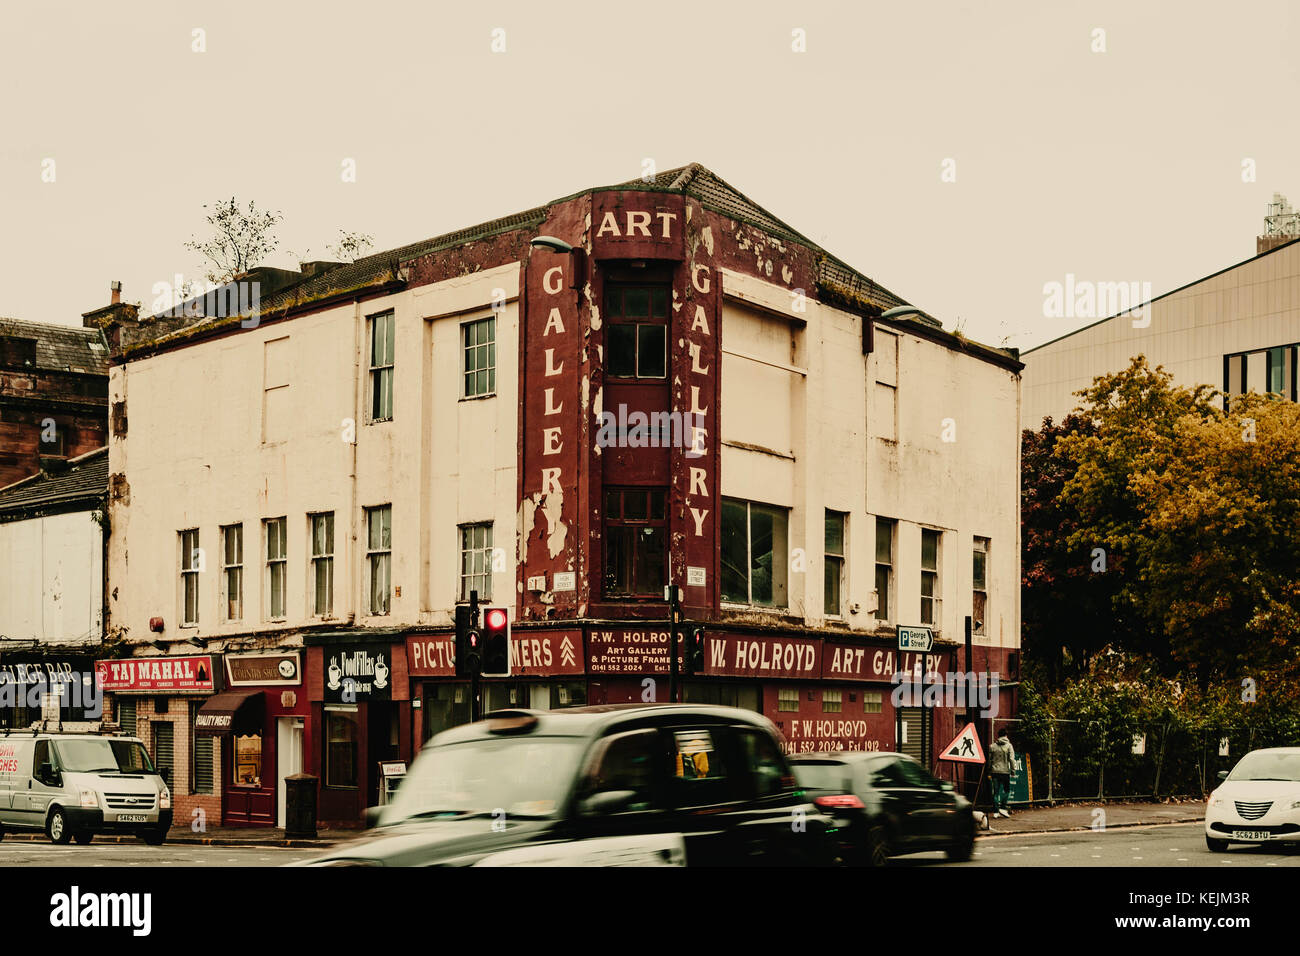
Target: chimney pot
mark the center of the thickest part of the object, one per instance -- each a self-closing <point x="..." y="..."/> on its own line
<point x="116" y="287"/>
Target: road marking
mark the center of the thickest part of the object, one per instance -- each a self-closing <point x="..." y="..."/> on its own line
<point x="1182" y="859"/>
<point x="1137" y="857"/>
<point x="1096" y="856"/>
<point x="1056" y="854"/>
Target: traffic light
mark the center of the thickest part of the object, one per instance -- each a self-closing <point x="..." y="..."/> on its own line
<point x="496" y="642"/>
<point x="469" y="650"/>
<point x="694" y="656"/>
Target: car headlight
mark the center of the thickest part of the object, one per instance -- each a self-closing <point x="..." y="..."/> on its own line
<point x="1216" y="801"/>
<point x="165" y="800"/>
<point x="89" y="798"/>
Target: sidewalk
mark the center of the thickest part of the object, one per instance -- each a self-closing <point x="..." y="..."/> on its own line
<point x="1084" y="816"/>
<point x="214" y="836"/>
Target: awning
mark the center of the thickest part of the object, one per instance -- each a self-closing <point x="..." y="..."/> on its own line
<point x="226" y="713"/>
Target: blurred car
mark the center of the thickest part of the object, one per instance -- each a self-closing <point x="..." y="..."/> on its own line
<point x="885" y="804"/>
<point x="1258" y="802"/>
<point x="613" y="785"/>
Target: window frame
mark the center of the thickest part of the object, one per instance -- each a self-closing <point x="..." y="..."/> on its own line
<point x="621" y="521"/>
<point x="774" y="511"/>
<point x="787" y="696"/>
<point x="227" y="569"/>
<point x="936" y="578"/>
<point x="322" y="558"/>
<point x="277" y="565"/>
<point x="488" y="347"/>
<point x="891" y="587"/>
<point x="380" y="374"/>
<point x="190" y="575"/>
<point x="979" y="615"/>
<point x="382" y="557"/>
<point x="838" y="560"/>
<point x="466" y="582"/>
<point x="616" y="316"/>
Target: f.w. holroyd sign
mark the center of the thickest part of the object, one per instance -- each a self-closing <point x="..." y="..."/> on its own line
<point x="356" y="673"/>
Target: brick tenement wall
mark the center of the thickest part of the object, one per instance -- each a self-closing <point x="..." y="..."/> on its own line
<point x="77" y="403"/>
<point x="184" y="803"/>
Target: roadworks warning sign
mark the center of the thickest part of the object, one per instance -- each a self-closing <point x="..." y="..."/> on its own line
<point x="965" y="747"/>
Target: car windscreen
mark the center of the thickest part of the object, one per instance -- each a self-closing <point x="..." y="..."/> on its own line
<point x="822" y="776"/>
<point x="508" y="777"/>
<point x="1262" y="765"/>
<point x="103" y="756"/>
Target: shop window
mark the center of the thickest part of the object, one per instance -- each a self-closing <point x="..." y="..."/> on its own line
<point x="163" y="749"/>
<point x="834" y="558"/>
<point x="636" y="535"/>
<point x="382" y="331"/>
<point x="277" y="563"/>
<point x="754" y="553"/>
<point x="787" y="699"/>
<point x="379" y="546"/>
<point x="832" y="701"/>
<point x="884" y="567"/>
<point x="746" y="696"/>
<point x="636" y="343"/>
<point x="322" y="563"/>
<point x="191" y="565"/>
<point x="479" y="339"/>
<point x="340" y="750"/>
<point x="568" y="694"/>
<point x="232" y="572"/>
<point x="872" y="701"/>
<point x="445" y="706"/>
<point x="476" y="560"/>
<point x="248" y="761"/>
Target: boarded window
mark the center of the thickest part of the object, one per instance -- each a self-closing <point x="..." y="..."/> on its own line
<point x="275" y="393"/>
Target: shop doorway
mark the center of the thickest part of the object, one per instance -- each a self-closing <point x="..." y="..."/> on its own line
<point x="382" y="743"/>
<point x="289" y="759"/>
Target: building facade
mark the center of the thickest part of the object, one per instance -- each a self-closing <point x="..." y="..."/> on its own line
<point x="53" y="541"/>
<point x="53" y="395"/>
<point x="564" y="410"/>
<point x="1237" y="330"/>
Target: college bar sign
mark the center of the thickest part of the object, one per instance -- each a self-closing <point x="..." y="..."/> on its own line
<point x="157" y="674"/>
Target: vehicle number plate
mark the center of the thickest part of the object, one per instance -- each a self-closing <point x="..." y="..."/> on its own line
<point x="132" y="818"/>
<point x="1251" y="834"/>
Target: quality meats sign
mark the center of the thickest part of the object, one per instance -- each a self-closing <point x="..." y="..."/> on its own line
<point x="157" y="674"/>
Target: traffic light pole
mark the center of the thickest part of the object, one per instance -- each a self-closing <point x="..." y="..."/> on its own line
<point x="674" y="612"/>
<point x="475" y="705"/>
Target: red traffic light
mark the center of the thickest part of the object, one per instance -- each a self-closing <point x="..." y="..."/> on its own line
<point x="496" y="618"/>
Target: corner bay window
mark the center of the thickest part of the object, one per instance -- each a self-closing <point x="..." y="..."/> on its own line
<point x="754" y="553"/>
<point x="636" y="338"/>
<point x="636" y="540"/>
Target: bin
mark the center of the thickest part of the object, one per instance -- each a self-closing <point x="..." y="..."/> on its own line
<point x="300" y="807"/>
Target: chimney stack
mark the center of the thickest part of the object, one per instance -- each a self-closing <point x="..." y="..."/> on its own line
<point x="116" y="286"/>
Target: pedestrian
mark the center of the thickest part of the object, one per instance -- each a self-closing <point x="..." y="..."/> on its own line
<point x="1002" y="759"/>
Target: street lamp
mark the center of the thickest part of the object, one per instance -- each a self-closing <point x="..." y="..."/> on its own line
<point x="577" y="257"/>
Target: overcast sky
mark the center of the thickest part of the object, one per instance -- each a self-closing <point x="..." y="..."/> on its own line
<point x="1122" y="165"/>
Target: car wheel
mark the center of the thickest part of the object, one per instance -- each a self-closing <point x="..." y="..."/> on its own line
<point x="877" y="846"/>
<point x="154" y="837"/>
<point x="56" y="827"/>
<point x="961" y="851"/>
<point x="83" y="837"/>
<point x="1216" y="846"/>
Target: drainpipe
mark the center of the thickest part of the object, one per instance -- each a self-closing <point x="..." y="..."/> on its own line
<point x="354" y="577"/>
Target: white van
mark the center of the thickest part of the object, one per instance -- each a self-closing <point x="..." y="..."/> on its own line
<point x="73" y="786"/>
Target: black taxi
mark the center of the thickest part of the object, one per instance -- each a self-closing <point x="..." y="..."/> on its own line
<point x="612" y="785"/>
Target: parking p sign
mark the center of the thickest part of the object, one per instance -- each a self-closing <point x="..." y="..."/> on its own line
<point x="919" y="639"/>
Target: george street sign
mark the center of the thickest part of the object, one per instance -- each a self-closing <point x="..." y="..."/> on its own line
<point x="915" y="639"/>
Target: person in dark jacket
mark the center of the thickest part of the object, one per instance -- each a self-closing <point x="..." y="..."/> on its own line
<point x="1002" y="759"/>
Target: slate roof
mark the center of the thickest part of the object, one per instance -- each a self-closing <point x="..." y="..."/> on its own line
<point x="64" y="348"/>
<point x="84" y="480"/>
<point x="844" y="284"/>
